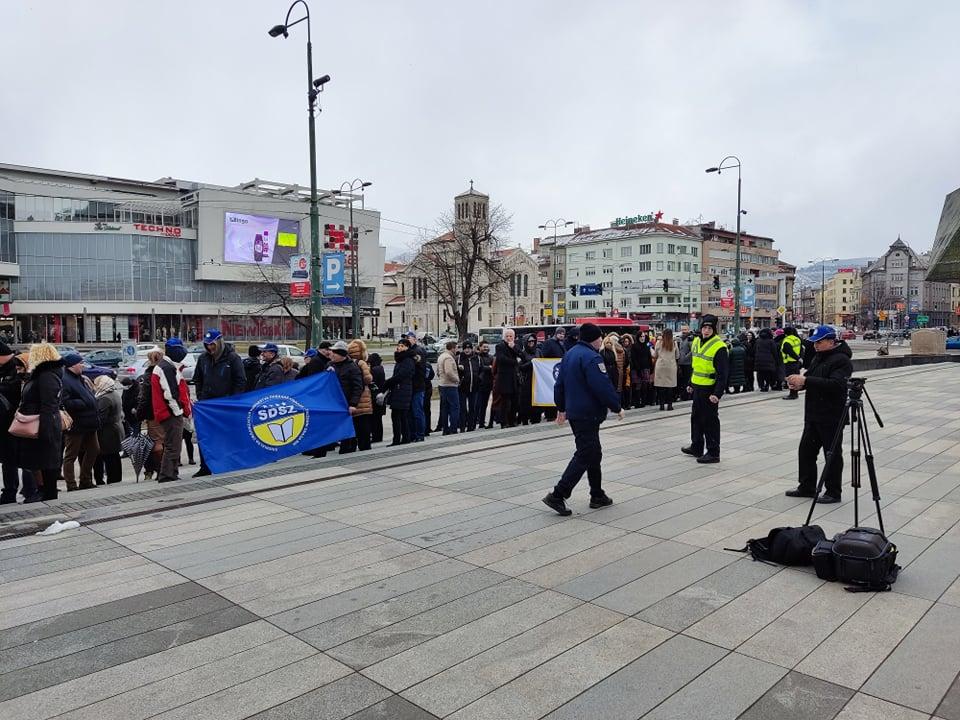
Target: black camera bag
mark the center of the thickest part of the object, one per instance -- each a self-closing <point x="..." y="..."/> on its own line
<point x="785" y="545"/>
<point x="823" y="560"/>
<point x="864" y="558"/>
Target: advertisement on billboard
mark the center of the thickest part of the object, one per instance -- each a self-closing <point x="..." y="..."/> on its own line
<point x="256" y="239"/>
<point x="726" y="298"/>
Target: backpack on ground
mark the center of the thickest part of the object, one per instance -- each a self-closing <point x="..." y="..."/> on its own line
<point x="861" y="557"/>
<point x="785" y="545"/>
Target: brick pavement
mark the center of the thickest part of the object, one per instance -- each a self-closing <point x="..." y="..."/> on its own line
<point x="435" y="584"/>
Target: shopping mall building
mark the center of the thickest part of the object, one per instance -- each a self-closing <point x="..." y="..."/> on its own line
<point x="86" y="258"/>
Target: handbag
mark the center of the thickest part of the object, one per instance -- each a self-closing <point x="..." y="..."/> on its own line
<point x="25" y="426"/>
<point x="66" y="420"/>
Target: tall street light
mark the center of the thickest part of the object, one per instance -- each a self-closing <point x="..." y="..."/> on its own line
<point x="736" y="286"/>
<point x="823" y="282"/>
<point x="347" y="190"/>
<point x="554" y="224"/>
<point x="314" y="88"/>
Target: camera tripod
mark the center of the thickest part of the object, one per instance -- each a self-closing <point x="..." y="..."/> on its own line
<point x="854" y="415"/>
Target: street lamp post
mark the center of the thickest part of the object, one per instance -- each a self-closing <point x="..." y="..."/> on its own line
<point x="313" y="90"/>
<point x="823" y="283"/>
<point x="347" y="189"/>
<point x="736" y="285"/>
<point x="554" y="224"/>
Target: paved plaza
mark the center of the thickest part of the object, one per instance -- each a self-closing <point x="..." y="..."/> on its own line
<point x="433" y="583"/>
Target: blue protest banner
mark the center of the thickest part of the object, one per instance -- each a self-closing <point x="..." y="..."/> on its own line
<point x="333" y="273"/>
<point x="262" y="426"/>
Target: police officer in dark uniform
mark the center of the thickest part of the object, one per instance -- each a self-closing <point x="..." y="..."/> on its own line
<point x="707" y="383"/>
<point x="583" y="393"/>
<point x="826" y="386"/>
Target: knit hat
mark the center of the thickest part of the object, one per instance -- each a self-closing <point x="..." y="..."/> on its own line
<point x="710" y="320"/>
<point x="211" y="336"/>
<point x="341" y="348"/>
<point x="253" y="351"/>
<point x="589" y="332"/>
<point x="324" y="345"/>
<point x="71" y="359"/>
<point x="403" y="341"/>
<point x="5" y="350"/>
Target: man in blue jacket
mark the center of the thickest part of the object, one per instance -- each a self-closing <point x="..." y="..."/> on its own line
<point x="583" y="393"/>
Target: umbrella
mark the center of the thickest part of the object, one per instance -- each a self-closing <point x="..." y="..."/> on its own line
<point x="138" y="447"/>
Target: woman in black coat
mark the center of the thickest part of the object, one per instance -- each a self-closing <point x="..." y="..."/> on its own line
<point x="11" y="387"/>
<point x="641" y="372"/>
<point x="766" y="359"/>
<point x="400" y="386"/>
<point x="380" y="383"/>
<point x="41" y="396"/>
<point x="749" y="366"/>
<point x="507" y="357"/>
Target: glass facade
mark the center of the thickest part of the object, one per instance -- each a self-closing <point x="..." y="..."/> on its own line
<point x="54" y="209"/>
<point x="8" y="241"/>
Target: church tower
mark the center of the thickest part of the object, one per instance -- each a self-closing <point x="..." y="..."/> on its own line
<point x="470" y="208"/>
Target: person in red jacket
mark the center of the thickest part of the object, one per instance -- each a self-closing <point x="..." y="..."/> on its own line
<point x="166" y="402"/>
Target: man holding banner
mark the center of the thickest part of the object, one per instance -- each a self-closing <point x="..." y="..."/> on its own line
<point x="583" y="394"/>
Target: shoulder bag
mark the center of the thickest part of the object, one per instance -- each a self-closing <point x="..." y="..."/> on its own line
<point x="25" y="426"/>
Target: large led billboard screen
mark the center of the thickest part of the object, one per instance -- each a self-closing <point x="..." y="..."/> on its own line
<point x="255" y="239"/>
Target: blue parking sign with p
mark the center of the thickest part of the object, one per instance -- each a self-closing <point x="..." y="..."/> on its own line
<point x="333" y="274"/>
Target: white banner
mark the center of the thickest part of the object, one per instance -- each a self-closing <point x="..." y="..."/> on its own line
<point x="544" y="375"/>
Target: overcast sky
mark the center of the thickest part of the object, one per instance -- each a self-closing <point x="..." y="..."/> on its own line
<point x="846" y="115"/>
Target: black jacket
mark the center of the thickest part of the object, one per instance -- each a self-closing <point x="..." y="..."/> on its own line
<point x="640" y="357"/>
<point x="507" y="360"/>
<point x="351" y="380"/>
<point x="551" y="349"/>
<point x="130" y="399"/>
<point x="469" y="367"/>
<point x="79" y="402"/>
<point x="400" y="383"/>
<point x="420" y="376"/>
<point x="270" y="374"/>
<point x="486" y="372"/>
<point x="251" y="369"/>
<point x="10" y="387"/>
<point x="41" y="396"/>
<point x="221" y="377"/>
<point x="826" y="385"/>
<point x="379" y="377"/>
<point x="610" y="363"/>
<point x="766" y="355"/>
<point x="317" y="364"/>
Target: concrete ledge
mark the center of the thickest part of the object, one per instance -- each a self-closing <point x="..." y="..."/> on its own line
<point x="883" y="362"/>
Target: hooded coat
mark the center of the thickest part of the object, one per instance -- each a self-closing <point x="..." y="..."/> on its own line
<point x="41" y="396"/>
<point x="11" y="386"/>
<point x="737" y="376"/>
<point x="766" y="356"/>
<point x="400" y="383"/>
<point x="110" y="410"/>
<point x="357" y="350"/>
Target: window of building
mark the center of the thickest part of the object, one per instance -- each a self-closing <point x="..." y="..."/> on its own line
<point x="914" y="292"/>
<point x="589" y="304"/>
<point x="686" y="267"/>
<point x="607" y="285"/>
<point x="607" y="303"/>
<point x="558" y="275"/>
<point x="897" y="290"/>
<point x="644" y="266"/>
<point x="644" y="250"/>
<point x="590" y="271"/>
<point x="671" y="266"/>
<point x="526" y="288"/>
<point x="403" y="317"/>
<point x="696" y="267"/>
<point x="659" y="248"/>
<point x="608" y="270"/>
<point x="573" y="304"/>
<point x="626" y="251"/>
<point x="643" y="300"/>
<point x="660" y="265"/>
<point x="671" y="249"/>
<point x="683" y="249"/>
<point x="626" y="301"/>
<point x="390" y="313"/>
<point x="693" y="251"/>
<point x="608" y="253"/>
<point x="479" y="312"/>
<point x="591" y="255"/>
<point x="659" y="299"/>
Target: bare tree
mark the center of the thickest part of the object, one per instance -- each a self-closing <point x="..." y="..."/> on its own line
<point x="465" y="265"/>
<point x="270" y="291"/>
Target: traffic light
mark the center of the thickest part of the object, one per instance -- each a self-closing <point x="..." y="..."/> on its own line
<point x="666" y="286"/>
<point x="573" y="290"/>
<point x="716" y="282"/>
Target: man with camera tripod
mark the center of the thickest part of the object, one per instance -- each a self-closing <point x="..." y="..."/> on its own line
<point x="823" y="413"/>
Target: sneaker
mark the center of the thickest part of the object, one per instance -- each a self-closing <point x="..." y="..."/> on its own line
<point x="827" y="499"/>
<point x="801" y="493"/>
<point x="707" y="458"/>
<point x="688" y="450"/>
<point x="599" y="501"/>
<point x="555" y="503"/>
<point x="791" y="397"/>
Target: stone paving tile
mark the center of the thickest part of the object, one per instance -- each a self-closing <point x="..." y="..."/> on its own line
<point x="566" y="569"/>
<point x="103" y="656"/>
<point x="850" y="655"/>
<point x="866" y="707"/>
<point x="103" y="684"/>
<point x="393" y="708"/>
<point x="933" y="571"/>
<point x="644" y="683"/>
<point x="693" y="603"/>
<point x="949" y="708"/>
<point x="474" y="539"/>
<point x="721" y="693"/>
<point x="353" y="625"/>
<point x="8" y="574"/>
<point x="431" y="623"/>
<point x="659" y="513"/>
<point x="335" y="701"/>
<point x="799" y="697"/>
<point x="418" y="663"/>
<point x="919" y="671"/>
<point x="555" y="682"/>
<point x="470" y="680"/>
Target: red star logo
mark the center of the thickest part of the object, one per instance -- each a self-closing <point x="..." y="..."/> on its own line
<point x="658" y="215"/>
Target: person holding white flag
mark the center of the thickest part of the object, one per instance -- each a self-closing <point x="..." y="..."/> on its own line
<point x="583" y="394"/>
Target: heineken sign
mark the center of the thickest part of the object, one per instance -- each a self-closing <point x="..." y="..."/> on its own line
<point x="636" y="219"/>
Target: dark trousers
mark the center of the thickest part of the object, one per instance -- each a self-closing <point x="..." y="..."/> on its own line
<point x="188" y="443"/>
<point x="108" y="464"/>
<point x="684" y="373"/>
<point x="749" y="377"/>
<point x="401" y="420"/>
<point x="626" y="395"/>
<point x="83" y="446"/>
<point x="47" y="479"/>
<point x="361" y="438"/>
<point x="469" y="409"/>
<point x="766" y="379"/>
<point x="482" y="402"/>
<point x="816" y="436"/>
<point x="665" y="396"/>
<point x="172" y="442"/>
<point x="449" y="410"/>
<point x="11" y="482"/>
<point x="376" y="424"/>
<point x="508" y="410"/>
<point x="792" y="369"/>
<point x="586" y="459"/>
<point x="704" y="423"/>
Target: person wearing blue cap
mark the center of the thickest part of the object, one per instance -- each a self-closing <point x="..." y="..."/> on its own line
<point x="271" y="372"/>
<point x="826" y="392"/>
<point x="219" y="373"/>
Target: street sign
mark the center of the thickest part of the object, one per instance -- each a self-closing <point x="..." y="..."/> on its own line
<point x="726" y="298"/>
<point x="560" y="312"/>
<point x="369" y="312"/>
<point x="747" y="295"/>
<point x="923" y="319"/>
<point x="781" y="310"/>
<point x="548" y="312"/>
<point x="901" y="307"/>
<point x="129" y="351"/>
<point x="333" y="276"/>
<point x="299" y="289"/>
<point x="882" y="314"/>
<point x="591" y="289"/>
<point x="299" y="268"/>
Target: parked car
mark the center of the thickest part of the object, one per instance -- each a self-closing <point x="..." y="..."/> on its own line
<point x="65" y="349"/>
<point x="871" y="335"/>
<point x="293" y="352"/>
<point x="953" y="343"/>
<point x="95" y="371"/>
<point x="433" y="351"/>
<point x="104" y="358"/>
<point x="848" y="335"/>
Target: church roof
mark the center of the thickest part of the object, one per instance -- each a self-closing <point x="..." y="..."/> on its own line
<point x="945" y="256"/>
<point x="472" y="192"/>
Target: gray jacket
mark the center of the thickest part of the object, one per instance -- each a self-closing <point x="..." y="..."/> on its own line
<point x="685" y="355"/>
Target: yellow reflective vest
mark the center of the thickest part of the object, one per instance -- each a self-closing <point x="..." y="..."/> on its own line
<point x="703" y="352"/>
<point x="794" y="342"/>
